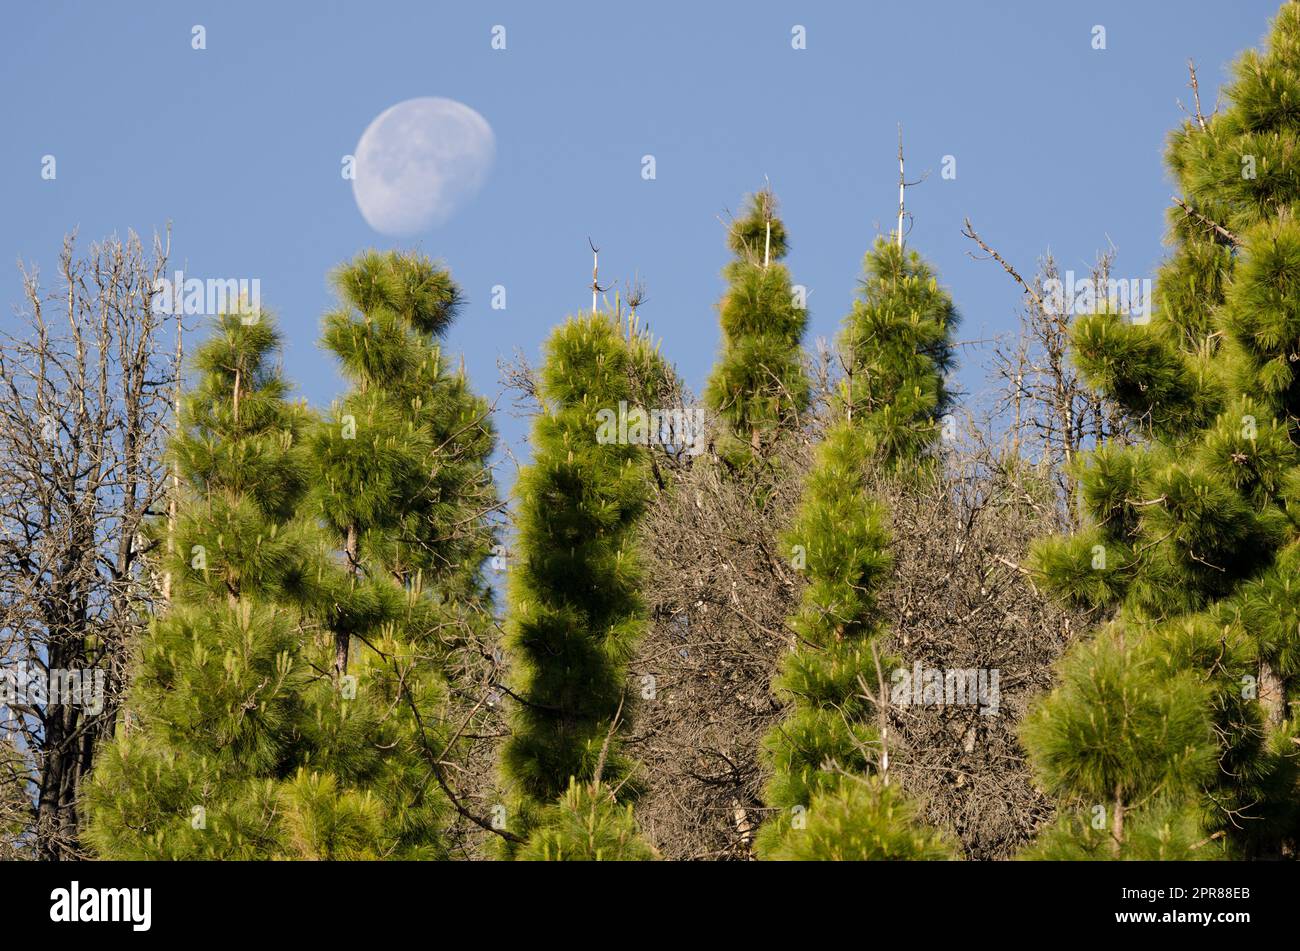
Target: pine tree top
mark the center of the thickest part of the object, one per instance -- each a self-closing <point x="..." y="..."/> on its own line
<point x="758" y="235"/>
<point x="410" y="285"/>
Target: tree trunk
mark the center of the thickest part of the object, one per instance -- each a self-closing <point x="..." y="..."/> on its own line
<point x="342" y="638"/>
<point x="1272" y="694"/>
<point x="1117" y="822"/>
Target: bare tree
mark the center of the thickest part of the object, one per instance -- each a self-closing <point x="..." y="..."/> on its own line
<point x="722" y="592"/>
<point x="87" y="382"/>
<point x="1050" y="413"/>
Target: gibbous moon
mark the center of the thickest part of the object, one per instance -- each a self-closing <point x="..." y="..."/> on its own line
<point x="419" y="162"/>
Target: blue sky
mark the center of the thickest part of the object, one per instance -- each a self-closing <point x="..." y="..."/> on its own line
<point x="1058" y="146"/>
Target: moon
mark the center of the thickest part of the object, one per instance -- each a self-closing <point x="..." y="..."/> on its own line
<point x="419" y="162"/>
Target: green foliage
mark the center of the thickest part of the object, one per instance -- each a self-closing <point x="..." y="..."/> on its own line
<point x="403" y="485"/>
<point x="860" y="820"/>
<point x="842" y="535"/>
<point x="1089" y="568"/>
<point x="1260" y="318"/>
<point x="235" y="742"/>
<point x="897" y="349"/>
<point x="403" y="457"/>
<point x="1139" y="368"/>
<point x="575" y="607"/>
<point x="897" y="341"/>
<point x="1179" y="714"/>
<point x="15" y="802"/>
<point x="1161" y="832"/>
<point x="323" y="821"/>
<point x="212" y="718"/>
<point x="758" y="234"/>
<point x="586" y="825"/>
<point x="758" y="387"/>
<point x="1120" y="725"/>
<point x="1110" y="481"/>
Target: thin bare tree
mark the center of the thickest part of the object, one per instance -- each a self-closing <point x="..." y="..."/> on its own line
<point x="1050" y="413"/>
<point x="87" y="378"/>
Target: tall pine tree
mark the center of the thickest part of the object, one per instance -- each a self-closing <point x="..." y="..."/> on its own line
<point x="242" y="736"/>
<point x="829" y="757"/>
<point x="1171" y="733"/>
<point x="575" y="608"/>
<point x="210" y="738"/>
<point x="758" y="387"/>
<point x="404" y="488"/>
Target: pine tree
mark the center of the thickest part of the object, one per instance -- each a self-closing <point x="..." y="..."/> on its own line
<point x="404" y="489"/>
<point x="211" y="726"/>
<point x="758" y="387"/>
<point x="1126" y="726"/>
<point x="575" y="608"/>
<point x="897" y="342"/>
<point x="247" y="732"/>
<point x="1170" y="733"/>
<point x="409" y="447"/>
<point x="829" y="757"/>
